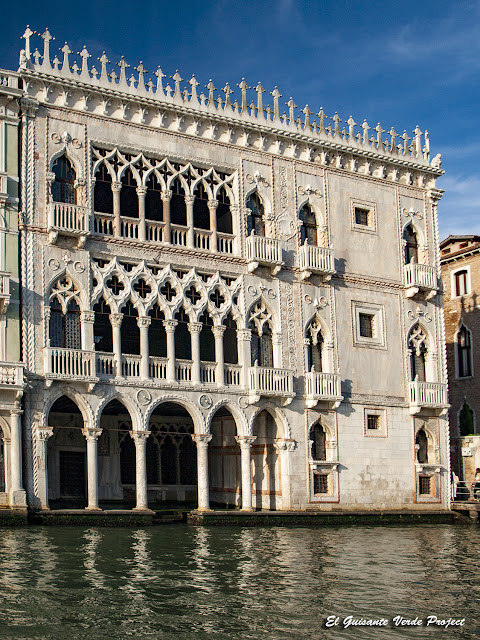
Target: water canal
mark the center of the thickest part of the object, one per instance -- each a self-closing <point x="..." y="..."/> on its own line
<point x="181" y="582"/>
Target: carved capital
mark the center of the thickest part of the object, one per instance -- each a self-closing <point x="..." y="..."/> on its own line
<point x="142" y="191"/>
<point x="140" y="437"/>
<point x="219" y="330"/>
<point x="202" y="439"/>
<point x="50" y="177"/>
<point x="212" y="204"/>
<point x="116" y="186"/>
<point x="245" y="442"/>
<point x="195" y="327"/>
<point x="285" y="445"/>
<point x="91" y="434"/>
<point x="189" y="200"/>
<point x="244" y="334"/>
<point x="170" y="325"/>
<point x="43" y="433"/>
<point x="116" y="319"/>
<point x="87" y="316"/>
<point x="166" y="196"/>
<point x="143" y="322"/>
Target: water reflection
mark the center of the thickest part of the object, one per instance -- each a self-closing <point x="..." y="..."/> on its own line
<point x="176" y="581"/>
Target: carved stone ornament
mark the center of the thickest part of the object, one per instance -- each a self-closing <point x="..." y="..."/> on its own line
<point x="56" y="138"/>
<point x="318" y="303"/>
<point x="79" y="267"/>
<point x="243" y="402"/>
<point x="76" y="143"/>
<point x="144" y="397"/>
<point x="256" y="178"/>
<point x="418" y="314"/>
<point x="54" y="264"/>
<point x="411" y="213"/>
<point x="205" y="401"/>
<point x="309" y="191"/>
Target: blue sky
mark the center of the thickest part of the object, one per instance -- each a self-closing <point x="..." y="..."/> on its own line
<point x="398" y="63"/>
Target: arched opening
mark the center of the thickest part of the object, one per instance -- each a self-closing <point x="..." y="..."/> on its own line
<point x="464" y="353"/>
<point x="309" y="225"/>
<point x="201" y="212"/>
<point x="224" y="464"/>
<point x="116" y="455"/>
<point x="178" y="207"/>
<point x="207" y="339"/>
<point x="130" y="332"/>
<point x="183" y="342"/>
<point x="157" y="337"/>
<point x="411" y="244"/>
<point x="171" y="455"/>
<point x="315" y="351"/>
<point x="318" y="442"/>
<point x="224" y="214"/>
<point x="102" y="327"/>
<point x="153" y="199"/>
<point x="466" y="420"/>
<point x="65" y="328"/>
<point x="262" y="336"/>
<point x="102" y="193"/>
<point x="230" y="343"/>
<point x="417" y="344"/>
<point x="63" y="188"/>
<point x="66" y="455"/>
<point x="265" y="462"/>
<point x="128" y="195"/>
<point x="255" y="220"/>
<point x="421" y="445"/>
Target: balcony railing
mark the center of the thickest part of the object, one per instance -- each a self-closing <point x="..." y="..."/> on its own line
<point x="154" y="231"/>
<point x="183" y="370"/>
<point x="429" y="395"/>
<point x="225" y="242"/>
<point x="264" y="251"/>
<point x="267" y="381"/>
<point x="131" y="366"/>
<point x="316" y="260"/>
<point x="105" y="364"/>
<point x="11" y="374"/>
<point x="158" y="368"/>
<point x="67" y="219"/>
<point x="419" y="277"/>
<point x="178" y="235"/>
<point x="233" y="375"/>
<point x="201" y="239"/>
<point x="69" y="364"/>
<point x="129" y="228"/>
<point x="207" y="372"/>
<point x="322" y="387"/>
<point x="103" y="224"/>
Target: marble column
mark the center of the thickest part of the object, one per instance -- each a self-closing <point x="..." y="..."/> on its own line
<point x="143" y="323"/>
<point x="166" y="197"/>
<point x="116" y="320"/>
<point x="140" y="438"/>
<point x="189" y="200"/>
<point x="195" y="329"/>
<point x="245" y="443"/>
<point x="91" y="436"/>
<point x="285" y="448"/>
<point x="141" y="193"/>
<point x="218" y="332"/>
<point x="116" y="188"/>
<point x="42" y="434"/>
<point x="212" y="208"/>
<point x="17" y="493"/>
<point x="202" y="440"/>
<point x="170" y="331"/>
<point x="87" y="320"/>
<point x="244" y="337"/>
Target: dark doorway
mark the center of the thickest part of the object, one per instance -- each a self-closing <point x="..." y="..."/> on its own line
<point x="72" y="474"/>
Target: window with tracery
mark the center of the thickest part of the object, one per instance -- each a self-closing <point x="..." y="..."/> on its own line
<point x="309" y="225"/>
<point x="262" y="336"/>
<point x="63" y="188"/>
<point x="255" y="220"/>
<point x="411" y="244"/>
<point x="153" y="199"/>
<point x="102" y="193"/>
<point x="417" y="344"/>
<point x="224" y="214"/>
<point x="201" y="212"/>
<point x="130" y="332"/>
<point x="128" y="195"/>
<point x="464" y="353"/>
<point x="171" y="454"/>
<point x="315" y="346"/>
<point x="102" y="328"/>
<point x="65" y="330"/>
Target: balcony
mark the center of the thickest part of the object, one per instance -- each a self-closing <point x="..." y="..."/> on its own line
<point x="4" y="291"/>
<point x="11" y="375"/>
<point x="420" y="277"/>
<point x="68" y="220"/>
<point x="3" y="185"/>
<point x="317" y="260"/>
<point x="264" y="251"/>
<point x="69" y="364"/>
<point x="267" y="381"/>
<point x="427" y="395"/>
<point x="322" y="387"/>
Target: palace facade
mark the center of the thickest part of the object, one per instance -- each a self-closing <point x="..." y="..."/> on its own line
<point x="221" y="303"/>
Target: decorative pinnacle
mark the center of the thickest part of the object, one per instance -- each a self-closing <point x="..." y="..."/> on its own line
<point x="27" y="35"/>
<point x="276" y="95"/>
<point x="193" y="82"/>
<point x="160" y="75"/>
<point x="211" y="88"/>
<point x="243" y="88"/>
<point x="259" y="89"/>
<point x="307" y="113"/>
<point x="291" y="106"/>
<point x="85" y="56"/>
<point x="123" y="65"/>
<point x="141" y="71"/>
<point x="177" y="79"/>
<point x="66" y="51"/>
<point x="46" y="35"/>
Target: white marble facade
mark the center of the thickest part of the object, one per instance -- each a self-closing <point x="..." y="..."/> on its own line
<point x="223" y="304"/>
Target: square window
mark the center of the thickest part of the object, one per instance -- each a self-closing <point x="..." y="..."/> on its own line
<point x="373" y="422"/>
<point x="320" y="483"/>
<point x="366" y="322"/>
<point x="362" y="217"/>
<point x="424" y="485"/>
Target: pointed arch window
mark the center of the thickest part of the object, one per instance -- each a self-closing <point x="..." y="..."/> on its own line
<point x="318" y="439"/>
<point x="130" y="332"/>
<point x="466" y="421"/>
<point x="128" y="195"/>
<point x="421" y="443"/>
<point x="309" y="225"/>
<point x="63" y="188"/>
<point x="411" y="244"/>
<point x="262" y="336"/>
<point x="464" y="353"/>
<point x="315" y="347"/>
<point x="157" y="337"/>
<point x="183" y="341"/>
<point x="64" y="330"/>
<point x="207" y="339"/>
<point x="224" y="213"/>
<point x="153" y="199"/>
<point x="230" y="344"/>
<point x="102" y="193"/>
<point x="178" y="207"/>
<point x="102" y="328"/>
<point x="255" y="220"/>
<point x="417" y="344"/>
<point x="201" y="212"/>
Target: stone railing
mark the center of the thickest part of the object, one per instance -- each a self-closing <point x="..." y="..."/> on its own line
<point x="178" y="235"/>
<point x="158" y="368"/>
<point x="315" y="259"/>
<point x="207" y="372"/>
<point x="183" y="370"/>
<point x="71" y="219"/>
<point x="225" y="242"/>
<point x="233" y="375"/>
<point x="427" y="394"/>
<point x="131" y="366"/>
<point x="201" y="239"/>
<point x="154" y="231"/>
<point x="267" y="381"/>
<point x="11" y="374"/>
<point x="419" y="277"/>
<point x="105" y="364"/>
<point x="129" y="228"/>
<point x="69" y="364"/>
<point x="265" y="251"/>
<point x="103" y="224"/>
<point x="322" y="386"/>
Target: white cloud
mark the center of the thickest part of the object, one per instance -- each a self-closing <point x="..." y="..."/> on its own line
<point x="459" y="209"/>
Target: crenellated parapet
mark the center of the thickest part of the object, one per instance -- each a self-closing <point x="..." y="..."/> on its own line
<point x="243" y="120"/>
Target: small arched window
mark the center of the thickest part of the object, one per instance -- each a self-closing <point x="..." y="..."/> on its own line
<point x="63" y="189"/>
<point x="183" y="341"/>
<point x="157" y="337"/>
<point x="411" y="244"/>
<point x="421" y="442"/>
<point x="318" y="438"/>
<point x="102" y="194"/>
<point x="178" y="207"/>
<point x="262" y="346"/>
<point x="153" y="199"/>
<point x="315" y="347"/>
<point x="230" y="345"/>
<point x="201" y="212"/>
<point x="418" y="350"/>
<point x="466" y="421"/>
<point x="64" y="330"/>
<point x="464" y="353"/>
<point x="130" y="332"/>
<point x="255" y="221"/>
<point x="309" y="225"/>
<point x="224" y="214"/>
<point x="128" y="195"/>
<point x="207" y="339"/>
<point x="102" y="328"/>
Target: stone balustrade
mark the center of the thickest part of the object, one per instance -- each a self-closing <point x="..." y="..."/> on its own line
<point x="315" y="259"/>
<point x="11" y="374"/>
<point x="427" y="395"/>
<point x="263" y="251"/>
<point x="68" y="219"/>
<point x="419" y="277"/>
<point x="321" y="386"/>
<point x="69" y="364"/>
<point x="268" y="381"/>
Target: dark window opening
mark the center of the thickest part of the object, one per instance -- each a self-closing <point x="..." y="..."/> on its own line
<point x="262" y="347"/>
<point x="309" y="226"/>
<point x="424" y="485"/>
<point x="422" y="446"/>
<point x="102" y="328"/>
<point x="230" y="345"/>
<point x="461" y="287"/>
<point x="320" y="483"/>
<point x="127" y="459"/>
<point x="178" y="207"/>
<point x="201" y="212"/>
<point x="318" y="438"/>
<point x="373" y="422"/>
<point x="411" y="245"/>
<point x="63" y="189"/>
<point x="65" y="329"/>
<point x="207" y="339"/>
<point x="464" y="353"/>
<point x="366" y="325"/>
<point x="255" y="220"/>
<point x="157" y="337"/>
<point x="102" y="193"/>
<point x="183" y="342"/>
<point x="224" y="213"/>
<point x="153" y="199"/>
<point x="128" y="196"/>
<point x="130" y="332"/>
<point x="115" y="285"/>
<point x="466" y="421"/>
<point x="362" y="216"/>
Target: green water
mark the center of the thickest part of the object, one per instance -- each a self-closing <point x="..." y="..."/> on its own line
<point x="196" y="582"/>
